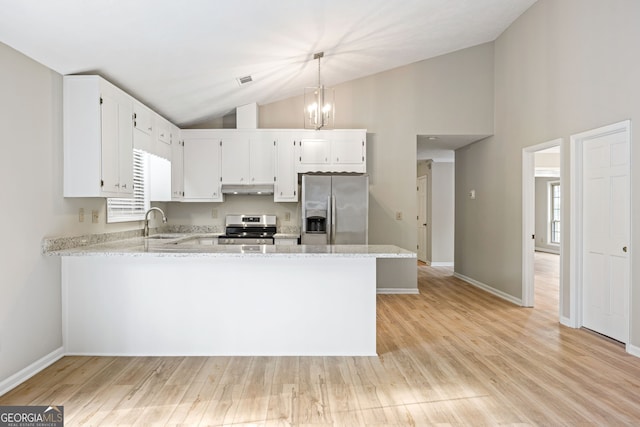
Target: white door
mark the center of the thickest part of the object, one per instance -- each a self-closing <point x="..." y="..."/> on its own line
<point x="606" y="226"/>
<point x="422" y="218"/>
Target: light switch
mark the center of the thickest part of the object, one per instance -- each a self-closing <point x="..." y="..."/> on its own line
<point x="398" y="216"/>
<point x="94" y="216"/>
<point x="472" y="194"/>
<point x="287" y="216"/>
<point x="81" y="215"/>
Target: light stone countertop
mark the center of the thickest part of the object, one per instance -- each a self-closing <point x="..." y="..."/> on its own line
<point x="286" y="236"/>
<point x="199" y="245"/>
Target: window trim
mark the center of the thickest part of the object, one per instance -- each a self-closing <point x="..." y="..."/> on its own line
<point x="550" y="222"/>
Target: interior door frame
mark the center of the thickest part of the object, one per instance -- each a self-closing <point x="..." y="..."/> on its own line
<point x="426" y="230"/>
<point x="528" y="219"/>
<point x="575" y="262"/>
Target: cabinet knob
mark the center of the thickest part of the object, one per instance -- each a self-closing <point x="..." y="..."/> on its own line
<point x="124" y="185"/>
<point x="624" y="249"/>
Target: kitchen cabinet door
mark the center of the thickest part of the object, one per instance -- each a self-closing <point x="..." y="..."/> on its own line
<point x="286" y="184"/>
<point x="142" y="128"/>
<point x="177" y="168"/>
<point x="201" y="159"/>
<point x="332" y="151"/>
<point x="162" y="136"/>
<point x="348" y="148"/>
<point x="98" y="138"/>
<point x="262" y="146"/>
<point x="314" y="151"/>
<point x="235" y="158"/>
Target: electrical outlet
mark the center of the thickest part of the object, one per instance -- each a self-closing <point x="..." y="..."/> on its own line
<point x="398" y="216"/>
<point x="214" y="213"/>
<point x="287" y="216"/>
<point x="81" y="215"/>
<point x="94" y="216"/>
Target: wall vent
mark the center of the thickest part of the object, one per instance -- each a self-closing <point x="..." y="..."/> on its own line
<point x="244" y="80"/>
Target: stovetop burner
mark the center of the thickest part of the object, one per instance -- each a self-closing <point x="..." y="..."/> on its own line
<point x="249" y="229"/>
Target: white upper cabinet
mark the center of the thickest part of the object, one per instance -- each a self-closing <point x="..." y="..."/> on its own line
<point x="332" y="151"/>
<point x="262" y="150"/>
<point x="98" y="138"/>
<point x="151" y="132"/>
<point x="142" y="127"/>
<point x="202" y="168"/>
<point x="177" y="167"/>
<point x="235" y="156"/>
<point x="247" y="157"/>
<point x="162" y="134"/>
<point x="286" y="185"/>
<point x="348" y="148"/>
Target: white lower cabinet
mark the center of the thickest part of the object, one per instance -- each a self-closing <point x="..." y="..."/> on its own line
<point x="202" y="168"/>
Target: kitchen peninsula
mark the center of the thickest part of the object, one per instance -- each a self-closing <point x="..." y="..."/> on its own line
<point x="179" y="296"/>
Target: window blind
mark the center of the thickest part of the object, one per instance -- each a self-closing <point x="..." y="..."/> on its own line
<point x="132" y="209"/>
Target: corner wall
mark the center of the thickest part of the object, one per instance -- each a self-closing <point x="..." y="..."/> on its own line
<point x="31" y="170"/>
<point x="563" y="67"/>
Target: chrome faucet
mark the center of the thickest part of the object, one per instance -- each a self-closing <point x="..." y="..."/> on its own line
<point x="146" y="220"/>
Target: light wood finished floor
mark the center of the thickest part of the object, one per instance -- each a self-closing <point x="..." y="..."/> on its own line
<point x="452" y="355"/>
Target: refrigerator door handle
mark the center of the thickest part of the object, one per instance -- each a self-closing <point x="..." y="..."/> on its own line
<point x="333" y="219"/>
<point x="329" y="220"/>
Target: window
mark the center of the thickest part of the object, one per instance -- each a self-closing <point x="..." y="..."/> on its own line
<point x="554" y="212"/>
<point x="133" y="209"/>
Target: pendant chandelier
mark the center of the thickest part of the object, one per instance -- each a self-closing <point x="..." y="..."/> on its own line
<point x="319" y="103"/>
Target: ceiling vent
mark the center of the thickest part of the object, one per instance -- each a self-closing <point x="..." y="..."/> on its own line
<point x="244" y="80"/>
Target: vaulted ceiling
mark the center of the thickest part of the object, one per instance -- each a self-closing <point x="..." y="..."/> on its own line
<point x="183" y="58"/>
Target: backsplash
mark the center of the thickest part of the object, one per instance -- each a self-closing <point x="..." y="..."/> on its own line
<point x="213" y="214"/>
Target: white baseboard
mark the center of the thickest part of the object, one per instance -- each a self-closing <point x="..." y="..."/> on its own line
<point x="399" y="291"/>
<point x="441" y="264"/>
<point x="26" y="373"/>
<point x="489" y="289"/>
<point x="633" y="350"/>
<point x="566" y="322"/>
<point x="547" y="250"/>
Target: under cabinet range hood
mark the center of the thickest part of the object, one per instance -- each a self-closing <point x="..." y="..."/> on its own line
<point x="258" y="189"/>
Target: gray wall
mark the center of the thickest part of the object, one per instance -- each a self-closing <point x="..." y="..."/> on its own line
<point x="542" y="215"/>
<point x="442" y="213"/>
<point x="563" y="67"/>
<point x="31" y="170"/>
<point x="450" y="94"/>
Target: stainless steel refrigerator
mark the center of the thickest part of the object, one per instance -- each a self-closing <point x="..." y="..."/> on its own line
<point x="335" y="209"/>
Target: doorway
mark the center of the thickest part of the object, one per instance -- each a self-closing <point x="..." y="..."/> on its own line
<point x="600" y="230"/>
<point x="542" y="163"/>
<point x="422" y="220"/>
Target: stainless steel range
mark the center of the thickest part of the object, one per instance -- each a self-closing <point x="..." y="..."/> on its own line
<point x="248" y="230"/>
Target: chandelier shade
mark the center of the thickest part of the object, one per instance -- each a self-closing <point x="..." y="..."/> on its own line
<point x="319" y="103"/>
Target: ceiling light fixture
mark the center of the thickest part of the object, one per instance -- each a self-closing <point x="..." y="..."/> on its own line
<point x="319" y="103"/>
